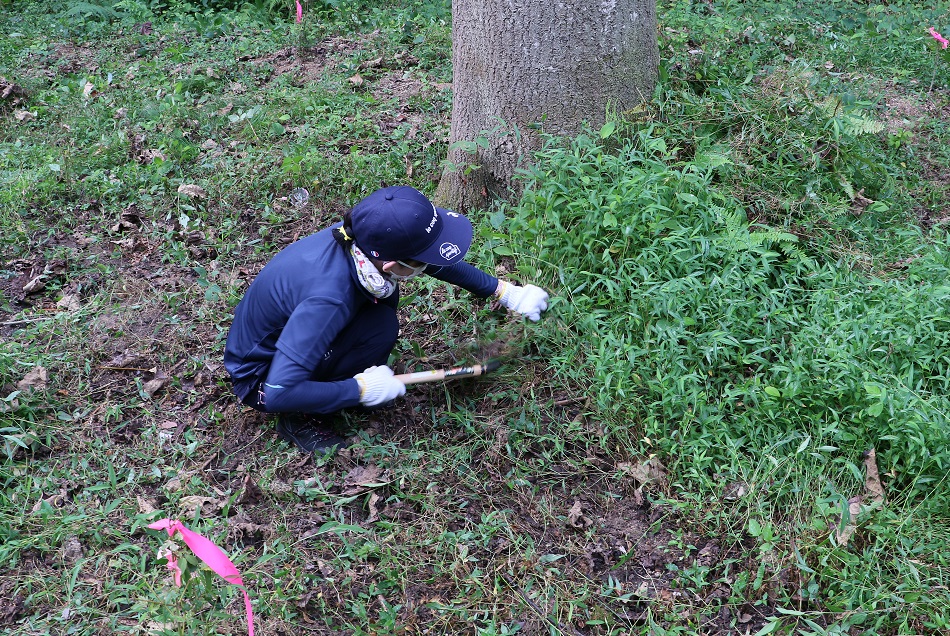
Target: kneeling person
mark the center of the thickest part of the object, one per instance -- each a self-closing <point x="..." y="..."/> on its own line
<point x="314" y="331"/>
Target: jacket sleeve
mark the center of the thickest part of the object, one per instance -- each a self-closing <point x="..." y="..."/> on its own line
<point x="289" y="389"/>
<point x="467" y="277"/>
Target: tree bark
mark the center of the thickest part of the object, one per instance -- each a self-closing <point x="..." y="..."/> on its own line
<point x="525" y="67"/>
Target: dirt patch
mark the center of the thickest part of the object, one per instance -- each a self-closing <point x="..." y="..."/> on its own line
<point x="307" y="64"/>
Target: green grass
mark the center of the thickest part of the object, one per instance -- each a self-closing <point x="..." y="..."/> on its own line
<point x="748" y="280"/>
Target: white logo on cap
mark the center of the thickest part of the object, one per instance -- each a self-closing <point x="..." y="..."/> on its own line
<point x="449" y="251"/>
<point x="435" y="217"/>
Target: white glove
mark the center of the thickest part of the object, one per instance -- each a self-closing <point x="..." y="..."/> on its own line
<point x="528" y="301"/>
<point x="378" y="386"/>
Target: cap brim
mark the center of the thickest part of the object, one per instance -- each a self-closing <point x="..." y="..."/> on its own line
<point x="452" y="243"/>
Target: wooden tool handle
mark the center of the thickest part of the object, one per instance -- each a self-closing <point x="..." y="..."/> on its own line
<point x="438" y="375"/>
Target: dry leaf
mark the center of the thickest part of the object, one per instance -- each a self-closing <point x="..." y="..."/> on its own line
<point x="68" y="303"/>
<point x="154" y="385"/>
<point x="88" y="90"/>
<point x="245" y="529"/>
<point x="362" y="478"/>
<point x="145" y="506"/>
<point x="250" y="492"/>
<point x="356" y="80"/>
<point x="646" y="471"/>
<point x="373" y="510"/>
<point x="208" y="505"/>
<point x="72" y="550"/>
<point x="10" y="91"/>
<point x="735" y="490"/>
<point x="54" y="501"/>
<point x="24" y="115"/>
<point x="35" y="379"/>
<point x="843" y="534"/>
<point x="192" y="191"/>
<point x="35" y="285"/>
<point x="872" y="479"/>
<point x="121" y="113"/>
<point x="576" y="517"/>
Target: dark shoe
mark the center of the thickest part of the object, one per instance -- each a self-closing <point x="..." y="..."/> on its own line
<point x="308" y="433"/>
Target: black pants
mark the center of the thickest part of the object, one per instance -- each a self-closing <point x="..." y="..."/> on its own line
<point x="365" y="342"/>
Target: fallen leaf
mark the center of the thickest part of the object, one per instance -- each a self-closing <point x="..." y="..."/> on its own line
<point x="10" y="91"/>
<point x="843" y="533"/>
<point x="72" y="550"/>
<point x="192" y="191"/>
<point x="373" y="510"/>
<point x="872" y="479"/>
<point x="190" y="503"/>
<point x="227" y="109"/>
<point x="735" y="490"/>
<point x="145" y="506"/>
<point x="54" y="501"/>
<point x="646" y="471"/>
<point x="154" y="385"/>
<point x="168" y="425"/>
<point x="68" y="302"/>
<point x="24" y="115"/>
<point x="36" y="378"/>
<point x="120" y="113"/>
<point x="362" y="478"/>
<point x="35" y="285"/>
<point x="356" y="80"/>
<point x="250" y="492"/>
<point x="576" y="517"/>
<point x="88" y="90"/>
<point x="245" y="529"/>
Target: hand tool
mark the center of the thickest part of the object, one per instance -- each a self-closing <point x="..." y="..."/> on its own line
<point x="437" y="375"/>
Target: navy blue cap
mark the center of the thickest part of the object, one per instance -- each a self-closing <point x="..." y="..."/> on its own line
<point x="400" y="223"/>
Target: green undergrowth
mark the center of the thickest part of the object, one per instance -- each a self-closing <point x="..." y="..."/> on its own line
<point x="738" y="356"/>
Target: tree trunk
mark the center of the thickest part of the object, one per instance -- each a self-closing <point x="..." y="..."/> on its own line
<point x="522" y="67"/>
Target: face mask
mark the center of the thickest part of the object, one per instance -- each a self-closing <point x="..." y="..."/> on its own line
<point x="415" y="271"/>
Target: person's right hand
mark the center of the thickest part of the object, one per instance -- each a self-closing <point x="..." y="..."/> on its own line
<point x="378" y="386"/>
<point x="529" y="300"/>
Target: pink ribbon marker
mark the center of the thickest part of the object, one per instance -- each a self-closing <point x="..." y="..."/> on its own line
<point x="211" y="555"/>
<point x="299" y="12"/>
<point x="939" y="38"/>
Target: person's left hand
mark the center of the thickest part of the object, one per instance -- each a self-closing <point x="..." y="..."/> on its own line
<point x="529" y="300"/>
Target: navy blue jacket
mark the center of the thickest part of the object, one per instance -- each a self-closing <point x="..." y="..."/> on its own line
<point x="300" y="302"/>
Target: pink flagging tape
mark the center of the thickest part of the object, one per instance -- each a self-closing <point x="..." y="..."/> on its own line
<point x="299" y="12"/>
<point x="211" y="555"/>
